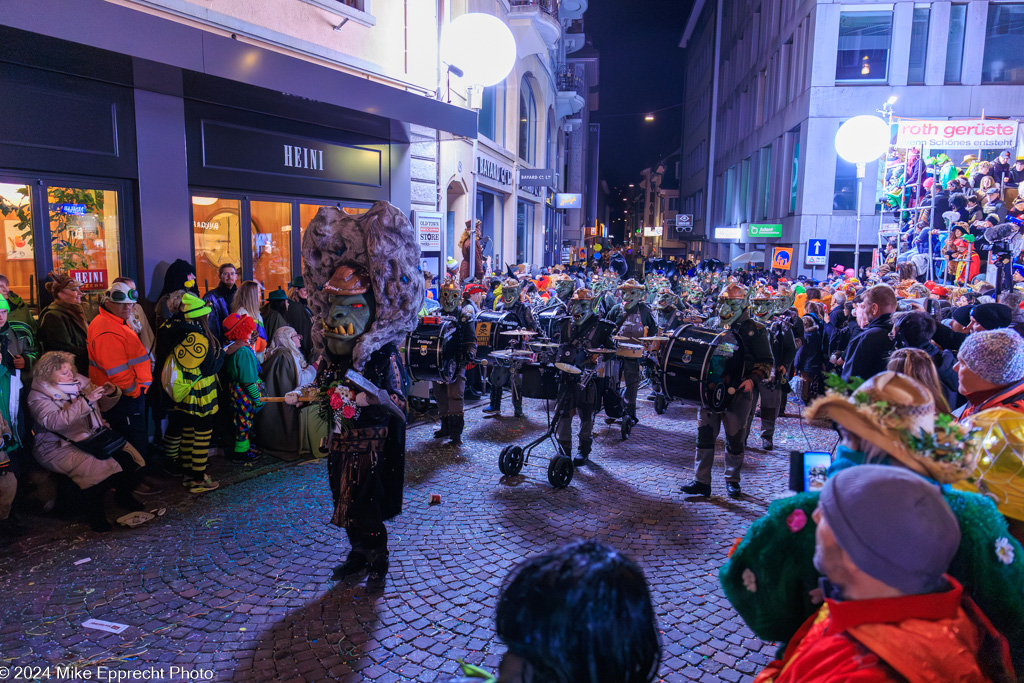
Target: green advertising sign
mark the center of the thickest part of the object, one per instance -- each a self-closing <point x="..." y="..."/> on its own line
<point x="764" y="230"/>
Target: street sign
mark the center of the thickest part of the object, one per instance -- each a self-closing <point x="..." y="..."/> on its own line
<point x="684" y="220"/>
<point x="566" y="255"/>
<point x="536" y="177"/>
<point x="583" y="252"/>
<point x="817" y="252"/>
<point x="568" y="201"/>
<point x="428" y="226"/>
<point x="764" y="230"/>
<point x="782" y="257"/>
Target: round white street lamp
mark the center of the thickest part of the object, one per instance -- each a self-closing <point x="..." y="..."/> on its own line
<point x="858" y="141"/>
<point x="481" y="45"/>
<point x="483" y="48"/>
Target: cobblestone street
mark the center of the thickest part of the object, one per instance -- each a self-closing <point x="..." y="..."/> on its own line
<point x="234" y="585"/>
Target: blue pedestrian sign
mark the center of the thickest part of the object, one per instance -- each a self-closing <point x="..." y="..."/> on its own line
<point x="817" y="252"/>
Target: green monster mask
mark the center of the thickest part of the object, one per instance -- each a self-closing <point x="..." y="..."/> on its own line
<point x="349" y="318"/>
<point x="450" y="298"/>
<point x="664" y="299"/>
<point x="762" y="309"/>
<point x="631" y="297"/>
<point x="732" y="302"/>
<point x="784" y="301"/>
<point x="564" y="289"/>
<point x="580" y="309"/>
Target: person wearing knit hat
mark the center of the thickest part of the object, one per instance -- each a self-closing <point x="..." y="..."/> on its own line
<point x="990" y="369"/>
<point x="193" y="357"/>
<point x="244" y="378"/>
<point x="884" y="540"/>
<point x="62" y="324"/>
<point x="990" y="316"/>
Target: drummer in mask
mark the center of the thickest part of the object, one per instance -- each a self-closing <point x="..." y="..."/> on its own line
<point x="757" y="367"/>
<point x="473" y="299"/>
<point x="632" y="319"/>
<point x="588" y="332"/>
<point x="563" y="286"/>
<point x="669" y="315"/>
<point x="449" y="396"/>
<point x="763" y="309"/>
<point x="511" y="303"/>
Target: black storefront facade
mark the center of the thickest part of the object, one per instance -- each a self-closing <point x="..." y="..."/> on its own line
<point x="121" y="151"/>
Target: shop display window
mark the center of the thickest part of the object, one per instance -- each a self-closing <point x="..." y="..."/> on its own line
<point x="271" y="244"/>
<point x="217" y="234"/>
<point x="17" y="261"/>
<point x="85" y="235"/>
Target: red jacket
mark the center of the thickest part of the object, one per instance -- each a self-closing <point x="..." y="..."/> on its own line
<point x="116" y="355"/>
<point x="933" y="638"/>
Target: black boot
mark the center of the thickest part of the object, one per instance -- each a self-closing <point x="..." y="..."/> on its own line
<point x="123" y="486"/>
<point x="495" y="406"/>
<point x="95" y="508"/>
<point x="456" y="423"/>
<point x="584" y="454"/>
<point x="517" y="407"/>
<point x="377" y="572"/>
<point x="353" y="565"/>
<point x="446" y="428"/>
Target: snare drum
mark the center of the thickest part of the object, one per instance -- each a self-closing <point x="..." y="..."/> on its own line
<point x="702" y="367"/>
<point x="432" y="351"/>
<point x="627" y="350"/>
<point x="489" y="325"/>
<point x="539" y="381"/>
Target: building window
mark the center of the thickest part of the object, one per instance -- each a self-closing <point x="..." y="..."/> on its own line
<point x="955" y="42"/>
<point x="794" y="186"/>
<point x="356" y="10"/>
<point x="486" y="116"/>
<point x="1004" y="60"/>
<point x="524" y="232"/>
<point x="863" y="53"/>
<point x="918" y="46"/>
<point x="527" y="123"/>
<point x="844" y="195"/>
<point x="764" y="182"/>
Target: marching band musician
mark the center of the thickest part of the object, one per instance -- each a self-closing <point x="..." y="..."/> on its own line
<point x="757" y="367"/>
<point x="632" y="319"/>
<point x="512" y="303"/>
<point x="473" y="299"/>
<point x="449" y="396"/>
<point x="588" y="332"/>
<point x="669" y="315"/>
<point x="765" y="309"/>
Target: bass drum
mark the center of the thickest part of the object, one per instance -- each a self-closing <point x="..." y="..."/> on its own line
<point x="489" y="326"/>
<point x="539" y="381"/>
<point x="554" y="324"/>
<point x="702" y="367"/>
<point x="432" y="351"/>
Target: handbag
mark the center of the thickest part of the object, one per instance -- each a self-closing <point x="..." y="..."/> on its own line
<point x="103" y="444"/>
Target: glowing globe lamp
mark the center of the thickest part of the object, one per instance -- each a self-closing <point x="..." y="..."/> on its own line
<point x="481" y="45"/>
<point x="862" y="139"/>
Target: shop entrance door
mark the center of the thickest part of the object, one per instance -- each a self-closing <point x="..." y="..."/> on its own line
<point x="81" y="221"/>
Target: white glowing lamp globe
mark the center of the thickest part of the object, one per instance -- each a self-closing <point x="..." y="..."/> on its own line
<point x="862" y="139"/>
<point x="481" y="45"/>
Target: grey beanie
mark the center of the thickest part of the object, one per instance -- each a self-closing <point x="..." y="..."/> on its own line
<point x="894" y="524"/>
<point x="996" y="356"/>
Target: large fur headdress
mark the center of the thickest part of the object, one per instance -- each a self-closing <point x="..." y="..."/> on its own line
<point x="384" y="243"/>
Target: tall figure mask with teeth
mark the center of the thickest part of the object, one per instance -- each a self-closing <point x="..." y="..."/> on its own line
<point x="352" y="310"/>
<point x="564" y="287"/>
<point x="732" y="302"/>
<point x="581" y="307"/>
<point x="632" y="292"/>
<point x="762" y="307"/>
<point x="783" y="301"/>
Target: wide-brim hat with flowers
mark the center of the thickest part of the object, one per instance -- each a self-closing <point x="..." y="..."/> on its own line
<point x="896" y="413"/>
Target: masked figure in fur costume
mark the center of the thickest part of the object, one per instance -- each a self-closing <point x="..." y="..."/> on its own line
<point x="367" y="288"/>
<point x="449" y="395"/>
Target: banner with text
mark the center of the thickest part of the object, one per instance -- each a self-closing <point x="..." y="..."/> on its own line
<point x="962" y="134"/>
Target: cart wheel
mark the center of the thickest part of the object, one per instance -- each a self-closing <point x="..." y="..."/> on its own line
<point x="510" y="461"/>
<point x="560" y="471"/>
<point x="660" y="404"/>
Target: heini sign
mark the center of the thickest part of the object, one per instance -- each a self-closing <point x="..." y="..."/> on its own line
<point x="962" y="134"/>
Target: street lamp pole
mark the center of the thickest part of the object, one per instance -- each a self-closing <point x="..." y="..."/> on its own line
<point x="860" y="190"/>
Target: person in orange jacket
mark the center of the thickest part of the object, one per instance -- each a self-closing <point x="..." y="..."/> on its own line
<point x="117" y="356"/>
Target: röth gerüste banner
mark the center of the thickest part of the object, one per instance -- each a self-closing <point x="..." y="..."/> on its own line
<point x="962" y="134"/>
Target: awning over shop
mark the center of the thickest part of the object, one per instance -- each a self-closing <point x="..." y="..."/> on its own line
<point x="131" y="32"/>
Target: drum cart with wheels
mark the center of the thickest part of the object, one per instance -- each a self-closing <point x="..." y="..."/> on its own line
<point x="560" y="467"/>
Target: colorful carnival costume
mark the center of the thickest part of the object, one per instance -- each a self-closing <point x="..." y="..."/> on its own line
<point x="244" y="378"/>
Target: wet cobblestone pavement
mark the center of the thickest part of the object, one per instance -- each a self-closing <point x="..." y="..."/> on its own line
<point x="234" y="585"/>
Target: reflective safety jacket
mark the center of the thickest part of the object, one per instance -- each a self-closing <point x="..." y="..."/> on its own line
<point x="116" y="355"/>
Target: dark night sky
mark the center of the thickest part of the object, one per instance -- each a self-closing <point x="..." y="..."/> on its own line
<point x="641" y="70"/>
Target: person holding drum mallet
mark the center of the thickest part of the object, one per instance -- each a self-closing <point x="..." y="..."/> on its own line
<point x="449" y="396"/>
<point x="758" y="361"/>
<point x="633" y="319"/>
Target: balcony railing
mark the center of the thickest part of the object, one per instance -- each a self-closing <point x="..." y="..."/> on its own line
<point x="566" y="79"/>
<point x="549" y="7"/>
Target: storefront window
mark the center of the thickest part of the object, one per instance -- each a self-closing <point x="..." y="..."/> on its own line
<point x="84" y="230"/>
<point x="17" y="262"/>
<point x="216" y="231"/>
<point x="955" y="42"/>
<point x="272" y="244"/>
<point x="864" y="46"/>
